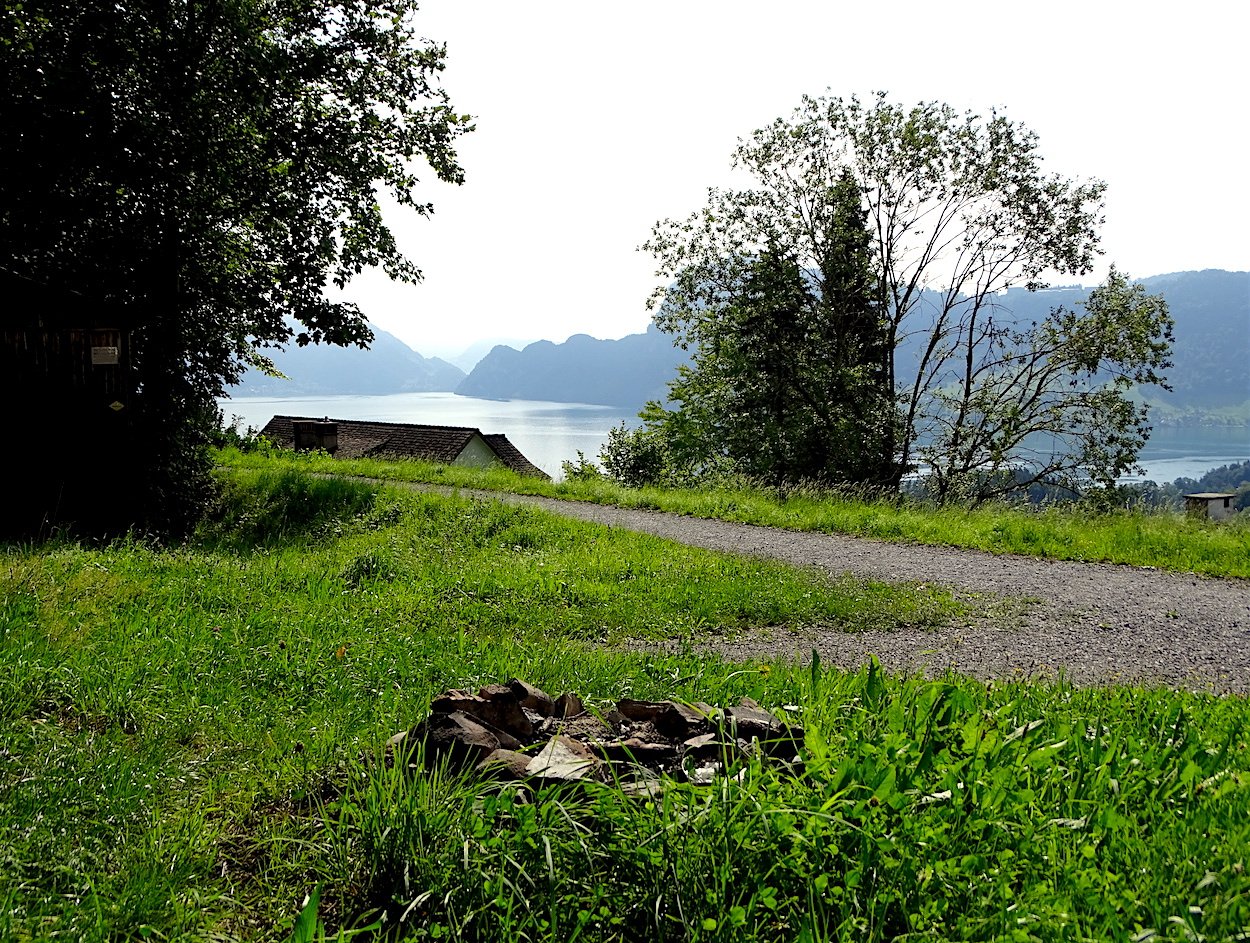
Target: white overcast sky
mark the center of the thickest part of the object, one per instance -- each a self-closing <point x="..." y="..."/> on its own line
<point x="595" y="119"/>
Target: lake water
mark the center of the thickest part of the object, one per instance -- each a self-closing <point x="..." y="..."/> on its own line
<point x="546" y="433"/>
<point x="1191" y="451"/>
<point x="551" y="433"/>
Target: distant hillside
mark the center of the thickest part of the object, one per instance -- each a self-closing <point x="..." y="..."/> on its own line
<point x="472" y="355"/>
<point x="388" y="366"/>
<point x="1212" y="350"/>
<point x="1211" y="354"/>
<point x="1211" y="377"/>
<point x="625" y="372"/>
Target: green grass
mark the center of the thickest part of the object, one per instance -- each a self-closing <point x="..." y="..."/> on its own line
<point x="929" y="810"/>
<point x="188" y="744"/>
<point x="1165" y="540"/>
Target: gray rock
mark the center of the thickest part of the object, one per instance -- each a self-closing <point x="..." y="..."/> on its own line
<point x="506" y="764"/>
<point x="564" y="759"/>
<point x="710" y="746"/>
<point x="638" y="751"/>
<point x="457" y="737"/>
<point x="641" y="710"/>
<point x="568" y="705"/>
<point x="532" y="698"/>
<point x="775" y="736"/>
<point x="502" y="711"/>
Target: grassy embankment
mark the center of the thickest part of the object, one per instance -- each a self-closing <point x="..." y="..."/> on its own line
<point x="1166" y="540"/>
<point x="186" y="739"/>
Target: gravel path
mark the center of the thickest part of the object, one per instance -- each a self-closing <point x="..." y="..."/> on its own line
<point x="1096" y="623"/>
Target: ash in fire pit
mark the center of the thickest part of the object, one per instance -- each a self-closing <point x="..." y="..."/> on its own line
<point x="517" y="731"/>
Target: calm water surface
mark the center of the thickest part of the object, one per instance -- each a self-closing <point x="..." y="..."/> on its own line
<point x="1192" y="451"/>
<point x="551" y="433"/>
<point x="546" y="433"/>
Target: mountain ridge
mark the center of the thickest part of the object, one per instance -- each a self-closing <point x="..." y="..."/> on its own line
<point x="387" y="366"/>
<point x="583" y="369"/>
<point x="1211" y="352"/>
<point x="1210" y="378"/>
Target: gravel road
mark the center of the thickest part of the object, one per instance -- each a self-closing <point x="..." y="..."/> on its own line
<point x="1096" y="623"/>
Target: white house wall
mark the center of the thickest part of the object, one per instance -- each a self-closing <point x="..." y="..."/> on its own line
<point x="477" y="454"/>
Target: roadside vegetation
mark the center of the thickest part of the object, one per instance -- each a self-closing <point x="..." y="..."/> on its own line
<point x="171" y="715"/>
<point x="1136" y="536"/>
<point x="189" y="741"/>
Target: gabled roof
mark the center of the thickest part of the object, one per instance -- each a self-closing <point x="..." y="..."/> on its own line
<point x="511" y="455"/>
<point x="357" y="439"/>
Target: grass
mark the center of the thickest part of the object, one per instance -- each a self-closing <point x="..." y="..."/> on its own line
<point x="1160" y="539"/>
<point x="188" y="740"/>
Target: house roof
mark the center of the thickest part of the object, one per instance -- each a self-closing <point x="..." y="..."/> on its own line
<point x="1212" y="495"/>
<point x="357" y="439"/>
<point x="511" y="455"/>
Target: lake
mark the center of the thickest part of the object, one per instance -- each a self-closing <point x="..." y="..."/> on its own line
<point x="546" y="433"/>
<point x="1191" y="451"/>
<point x="551" y="433"/>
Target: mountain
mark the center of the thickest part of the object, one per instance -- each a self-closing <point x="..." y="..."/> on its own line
<point x="388" y="366"/>
<point x="1212" y="349"/>
<point x="472" y="355"/>
<point x="625" y="372"/>
<point x="1210" y="379"/>
<point x="1210" y="376"/>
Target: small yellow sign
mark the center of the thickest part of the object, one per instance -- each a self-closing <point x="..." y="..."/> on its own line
<point x="117" y="406"/>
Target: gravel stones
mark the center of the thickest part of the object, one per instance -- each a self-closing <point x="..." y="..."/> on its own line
<point x="1091" y="623"/>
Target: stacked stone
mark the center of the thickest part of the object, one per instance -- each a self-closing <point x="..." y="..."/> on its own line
<point x="518" y="731"/>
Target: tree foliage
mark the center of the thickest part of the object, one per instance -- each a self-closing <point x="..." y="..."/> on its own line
<point x="958" y="209"/>
<point x="789" y="378"/>
<point x="207" y="168"/>
<point x="1047" y="402"/>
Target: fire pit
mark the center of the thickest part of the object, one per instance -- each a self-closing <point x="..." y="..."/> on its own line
<point x="517" y="731"/>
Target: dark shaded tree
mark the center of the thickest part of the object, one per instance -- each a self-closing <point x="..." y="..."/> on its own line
<point x="206" y="169"/>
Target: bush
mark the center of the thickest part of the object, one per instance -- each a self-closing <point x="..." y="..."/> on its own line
<point x="582" y="470"/>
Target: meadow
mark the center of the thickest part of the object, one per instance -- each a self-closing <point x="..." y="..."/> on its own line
<point x="190" y="743"/>
<point x="1162" y="539"/>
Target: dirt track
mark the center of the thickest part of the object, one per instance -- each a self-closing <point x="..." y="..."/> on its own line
<point x="1096" y="623"/>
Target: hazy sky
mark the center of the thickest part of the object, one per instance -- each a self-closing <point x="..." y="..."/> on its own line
<point x="597" y="119"/>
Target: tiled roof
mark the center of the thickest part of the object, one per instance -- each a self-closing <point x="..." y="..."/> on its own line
<point x="431" y="443"/>
<point x="512" y="456"/>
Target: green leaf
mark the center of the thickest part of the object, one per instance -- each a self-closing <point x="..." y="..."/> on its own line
<point x="307" y="927"/>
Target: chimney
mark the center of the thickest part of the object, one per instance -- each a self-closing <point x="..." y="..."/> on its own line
<point x="320" y="434"/>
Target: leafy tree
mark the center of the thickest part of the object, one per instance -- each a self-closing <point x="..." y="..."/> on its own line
<point x="206" y="168"/>
<point x="789" y="378"/>
<point x="1047" y="402"/>
<point x="959" y="209"/>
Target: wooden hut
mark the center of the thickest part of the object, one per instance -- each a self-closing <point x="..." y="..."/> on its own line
<point x="67" y="392"/>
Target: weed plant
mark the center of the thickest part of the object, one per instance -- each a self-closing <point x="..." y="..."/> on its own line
<point x="190" y="742"/>
<point x="1139" y="537"/>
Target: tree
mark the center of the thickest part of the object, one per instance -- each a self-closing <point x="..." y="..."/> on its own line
<point x="1047" y="403"/>
<point x="788" y="379"/>
<point x="206" y="168"/>
<point x="958" y="209"/>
